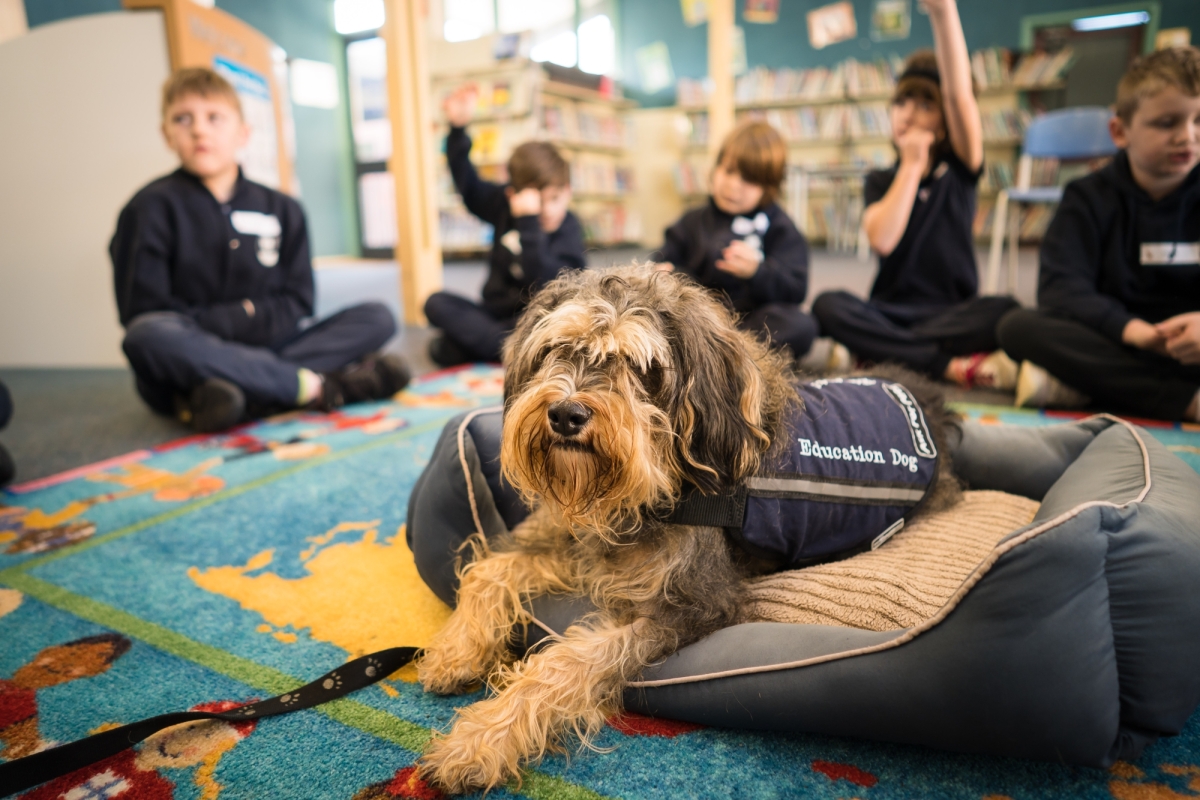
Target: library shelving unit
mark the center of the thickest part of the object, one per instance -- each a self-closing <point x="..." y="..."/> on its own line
<point x="519" y="101"/>
<point x="835" y="121"/>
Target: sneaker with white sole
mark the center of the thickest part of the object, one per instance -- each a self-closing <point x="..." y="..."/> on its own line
<point x="827" y="357"/>
<point x="997" y="371"/>
<point x="1038" y="388"/>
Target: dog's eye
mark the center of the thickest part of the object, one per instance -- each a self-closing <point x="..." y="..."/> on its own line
<point x="652" y="380"/>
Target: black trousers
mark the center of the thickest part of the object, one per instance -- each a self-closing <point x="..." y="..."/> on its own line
<point x="469" y="325"/>
<point x="923" y="338"/>
<point x="1116" y="376"/>
<point x="782" y="325"/>
<point x="171" y="354"/>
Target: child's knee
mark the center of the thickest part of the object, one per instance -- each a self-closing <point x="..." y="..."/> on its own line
<point x="153" y="332"/>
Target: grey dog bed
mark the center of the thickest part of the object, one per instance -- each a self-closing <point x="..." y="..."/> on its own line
<point x="1075" y="639"/>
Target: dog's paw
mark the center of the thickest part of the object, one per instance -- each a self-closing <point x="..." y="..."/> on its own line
<point x="468" y="759"/>
<point x="442" y="671"/>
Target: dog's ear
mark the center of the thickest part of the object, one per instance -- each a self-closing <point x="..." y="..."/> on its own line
<point x="718" y="394"/>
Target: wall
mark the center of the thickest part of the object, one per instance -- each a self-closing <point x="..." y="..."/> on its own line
<point x="986" y="23"/>
<point x="324" y="157"/>
<point x="65" y="173"/>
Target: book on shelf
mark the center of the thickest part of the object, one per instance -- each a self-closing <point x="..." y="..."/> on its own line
<point x="992" y="67"/>
<point x="1005" y="123"/>
<point x="1040" y="69"/>
<point x="459" y="229"/>
<point x="571" y="123"/>
<point x="693" y="92"/>
<point x="599" y="175"/>
<point x="611" y="224"/>
<point x="1032" y="224"/>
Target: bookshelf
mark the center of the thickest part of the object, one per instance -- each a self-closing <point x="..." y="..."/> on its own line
<point x="517" y="102"/>
<point x="835" y="121"/>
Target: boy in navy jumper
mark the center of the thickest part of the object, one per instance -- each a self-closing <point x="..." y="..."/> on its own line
<point x="535" y="237"/>
<point x="742" y="244"/>
<point x="924" y="310"/>
<point x="1118" y="317"/>
<point x="215" y="287"/>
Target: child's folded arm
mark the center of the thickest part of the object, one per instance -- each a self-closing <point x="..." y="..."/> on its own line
<point x="484" y="199"/>
<point x="544" y="255"/>
<point x="141" y="254"/>
<point x="1069" y="266"/>
<point x="675" y="244"/>
<point x="782" y="277"/>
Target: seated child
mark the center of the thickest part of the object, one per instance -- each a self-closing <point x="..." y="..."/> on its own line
<point x="535" y="238"/>
<point x="1118" y="316"/>
<point x="215" y="287"/>
<point x="744" y="245"/>
<point x="924" y="310"/>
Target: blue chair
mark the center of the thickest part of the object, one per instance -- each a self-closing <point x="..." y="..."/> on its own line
<point x="1068" y="134"/>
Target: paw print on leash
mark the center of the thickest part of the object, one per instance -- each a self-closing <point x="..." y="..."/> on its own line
<point x="332" y="683"/>
<point x="290" y="699"/>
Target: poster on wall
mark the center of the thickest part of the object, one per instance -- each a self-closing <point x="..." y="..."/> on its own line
<point x="654" y="67"/>
<point x="891" y="19"/>
<point x="695" y="12"/>
<point x="831" y="24"/>
<point x="761" y="12"/>
<point x="260" y="157"/>
<point x="366" y="65"/>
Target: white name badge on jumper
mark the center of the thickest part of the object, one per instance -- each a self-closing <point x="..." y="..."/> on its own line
<point x="1170" y="253"/>
<point x="255" y="223"/>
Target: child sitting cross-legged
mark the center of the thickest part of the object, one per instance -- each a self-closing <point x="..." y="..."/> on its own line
<point x="1118" y="317"/>
<point x="924" y="310"/>
<point x="215" y="287"/>
<point x="534" y="238"/>
<point x="743" y="245"/>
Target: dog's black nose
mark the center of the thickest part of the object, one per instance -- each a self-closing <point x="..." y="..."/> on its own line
<point x="567" y="418"/>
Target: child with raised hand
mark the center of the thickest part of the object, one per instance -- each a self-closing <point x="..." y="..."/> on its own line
<point x="924" y="310"/>
<point x="742" y="244"/>
<point x="214" y="284"/>
<point x="535" y="237"/>
<point x="1118" y="318"/>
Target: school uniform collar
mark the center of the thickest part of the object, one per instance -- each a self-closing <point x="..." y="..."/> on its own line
<point x="238" y="187"/>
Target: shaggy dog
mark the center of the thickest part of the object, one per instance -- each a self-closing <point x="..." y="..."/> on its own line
<point x="623" y="386"/>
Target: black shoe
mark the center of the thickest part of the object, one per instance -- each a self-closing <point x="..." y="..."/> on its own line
<point x="214" y="405"/>
<point x="445" y="353"/>
<point x="376" y="377"/>
<point x="7" y="468"/>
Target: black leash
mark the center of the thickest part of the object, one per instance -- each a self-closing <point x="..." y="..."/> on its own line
<point x="24" y="773"/>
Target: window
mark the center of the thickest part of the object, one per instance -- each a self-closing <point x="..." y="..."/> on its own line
<point x="597" y="45"/>
<point x="534" y="15"/>
<point x="553" y="35"/>
<point x="356" y="16"/>
<point x="468" y="19"/>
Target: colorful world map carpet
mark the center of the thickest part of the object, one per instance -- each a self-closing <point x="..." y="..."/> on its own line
<point x="217" y="570"/>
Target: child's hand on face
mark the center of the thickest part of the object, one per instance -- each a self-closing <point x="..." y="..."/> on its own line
<point x="914" y="145"/>
<point x="525" y="203"/>
<point x="739" y="259"/>
<point x="1181" y="337"/>
<point x="459" y="105"/>
<point x="664" y="266"/>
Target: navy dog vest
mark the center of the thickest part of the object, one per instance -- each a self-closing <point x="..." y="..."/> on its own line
<point x="861" y="460"/>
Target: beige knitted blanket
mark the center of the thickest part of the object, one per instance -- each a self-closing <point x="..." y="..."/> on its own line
<point x="904" y="582"/>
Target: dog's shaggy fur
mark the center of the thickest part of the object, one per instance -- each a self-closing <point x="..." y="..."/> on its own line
<point x="622" y="385"/>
